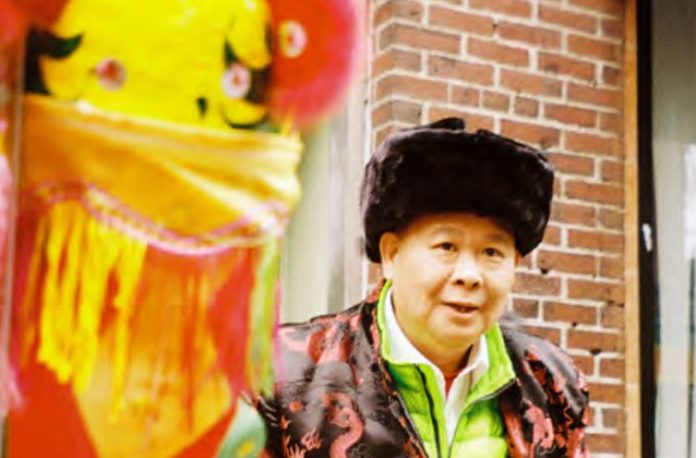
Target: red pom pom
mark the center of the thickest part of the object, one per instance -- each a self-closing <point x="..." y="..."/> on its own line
<point x="316" y="47"/>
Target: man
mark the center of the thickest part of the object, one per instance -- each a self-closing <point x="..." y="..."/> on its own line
<point x="427" y="368"/>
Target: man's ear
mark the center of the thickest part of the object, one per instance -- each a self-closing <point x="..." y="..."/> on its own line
<point x="388" y="247"/>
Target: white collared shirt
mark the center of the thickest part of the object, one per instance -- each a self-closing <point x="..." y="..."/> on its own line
<point x="402" y="350"/>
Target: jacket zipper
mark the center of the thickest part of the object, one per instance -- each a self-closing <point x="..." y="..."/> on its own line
<point x="482" y="398"/>
<point x="431" y="410"/>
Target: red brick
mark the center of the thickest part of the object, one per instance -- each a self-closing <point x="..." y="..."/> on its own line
<point x="526" y="262"/>
<point x="537" y="284"/>
<point x="611" y="219"/>
<point x="570" y="115"/>
<point x="611" y="75"/>
<point x="612" y="172"/>
<point x="402" y="9"/>
<point x="490" y="50"/>
<point x="464" y="71"/>
<point x="593" y="415"/>
<point x="596" y="240"/>
<point x="613" y="7"/>
<point x="396" y="59"/>
<point x="605" y="443"/>
<point x="526" y="107"/>
<point x="382" y="114"/>
<point x="462" y="95"/>
<point x="612" y="418"/>
<point x="569" y="66"/>
<point x="611" y="122"/>
<point x="402" y="34"/>
<point x="530" y="84"/>
<point x="462" y="22"/>
<point x="584" y="363"/>
<point x="591" y="47"/>
<point x="612" y="28"/>
<point x="595" y="290"/>
<point x="496" y="101"/>
<point x="582" y="215"/>
<point x="511" y="7"/>
<point x="397" y="110"/>
<point x="577" y="21"/>
<point x="611" y="267"/>
<point x="610" y="98"/>
<point x="552" y="236"/>
<point x="603" y="392"/>
<point x="612" y="317"/>
<point x="531" y="133"/>
<point x="554" y="261"/>
<point x="411" y="86"/>
<point x="536" y="36"/>
<point x="527" y="308"/>
<point x="578" y="314"/>
<point x="558" y="188"/>
<point x="473" y="121"/>
<point x="383" y="132"/>
<point x="594" y="341"/>
<point x="590" y="143"/>
<point x="576" y="165"/>
<point x="552" y="334"/>
<point x="614" y="368"/>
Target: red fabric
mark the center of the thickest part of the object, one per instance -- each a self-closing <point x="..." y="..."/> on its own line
<point x="17" y="15"/>
<point x="12" y="22"/>
<point x="208" y="444"/>
<point x="41" y="12"/>
<point x="48" y="419"/>
<point x="228" y="318"/>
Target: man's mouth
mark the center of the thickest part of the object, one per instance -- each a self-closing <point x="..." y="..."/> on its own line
<point x="462" y="308"/>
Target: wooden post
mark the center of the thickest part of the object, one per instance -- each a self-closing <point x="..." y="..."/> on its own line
<point x="632" y="410"/>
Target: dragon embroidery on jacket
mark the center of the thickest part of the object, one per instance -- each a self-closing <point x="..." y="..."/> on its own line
<point x="335" y="397"/>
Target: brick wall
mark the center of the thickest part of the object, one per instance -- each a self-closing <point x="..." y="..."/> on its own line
<point x="547" y="72"/>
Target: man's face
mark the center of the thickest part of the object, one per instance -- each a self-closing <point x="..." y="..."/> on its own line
<point x="452" y="274"/>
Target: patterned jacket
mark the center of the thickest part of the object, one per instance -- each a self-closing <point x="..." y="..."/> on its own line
<point x="334" y="396"/>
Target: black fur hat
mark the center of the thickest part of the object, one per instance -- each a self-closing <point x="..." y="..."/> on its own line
<point x="442" y="168"/>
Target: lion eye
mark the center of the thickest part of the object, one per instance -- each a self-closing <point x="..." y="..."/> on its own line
<point x="236" y="81"/>
<point x="111" y="74"/>
<point x="292" y="39"/>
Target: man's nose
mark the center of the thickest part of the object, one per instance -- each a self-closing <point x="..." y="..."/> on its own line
<point x="467" y="271"/>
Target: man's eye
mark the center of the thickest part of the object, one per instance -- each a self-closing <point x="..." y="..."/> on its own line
<point x="447" y="246"/>
<point x="492" y="252"/>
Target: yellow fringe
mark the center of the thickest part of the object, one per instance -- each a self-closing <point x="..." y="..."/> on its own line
<point x="127" y="270"/>
<point x="93" y="284"/>
<point x="131" y="377"/>
<point x="80" y="255"/>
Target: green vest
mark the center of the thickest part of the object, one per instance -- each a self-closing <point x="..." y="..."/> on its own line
<point x="480" y="432"/>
